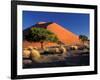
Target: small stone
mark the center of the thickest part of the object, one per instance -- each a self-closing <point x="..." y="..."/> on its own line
<point x="27" y="61"/>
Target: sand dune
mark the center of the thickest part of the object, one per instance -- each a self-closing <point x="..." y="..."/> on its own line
<point x="64" y="35"/>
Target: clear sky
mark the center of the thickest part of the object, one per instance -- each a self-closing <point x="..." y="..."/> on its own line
<point x="77" y="23"/>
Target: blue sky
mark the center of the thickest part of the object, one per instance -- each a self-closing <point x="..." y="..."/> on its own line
<point x="77" y="23"/>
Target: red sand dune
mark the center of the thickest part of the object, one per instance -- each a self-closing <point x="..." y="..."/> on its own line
<point x="64" y="35"/>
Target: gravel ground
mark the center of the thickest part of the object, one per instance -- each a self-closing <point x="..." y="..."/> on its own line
<point x="58" y="60"/>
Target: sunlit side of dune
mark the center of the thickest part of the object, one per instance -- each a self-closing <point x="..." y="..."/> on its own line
<point x="64" y="35"/>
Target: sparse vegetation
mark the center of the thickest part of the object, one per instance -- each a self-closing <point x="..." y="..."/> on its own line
<point x="41" y="35"/>
<point x="83" y="38"/>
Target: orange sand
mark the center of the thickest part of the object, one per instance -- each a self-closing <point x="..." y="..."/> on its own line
<point x="64" y="35"/>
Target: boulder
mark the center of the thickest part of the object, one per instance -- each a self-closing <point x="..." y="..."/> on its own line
<point x="63" y="49"/>
<point x="26" y="53"/>
<point x="74" y="47"/>
<point x="26" y="61"/>
<point x="35" y="54"/>
<point x="57" y="50"/>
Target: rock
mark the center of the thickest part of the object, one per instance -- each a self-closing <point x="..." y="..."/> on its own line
<point x="26" y="53"/>
<point x="30" y="47"/>
<point x="63" y="50"/>
<point x="27" y="61"/>
<point x="74" y="47"/>
<point x="35" y="54"/>
<point x="57" y="50"/>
